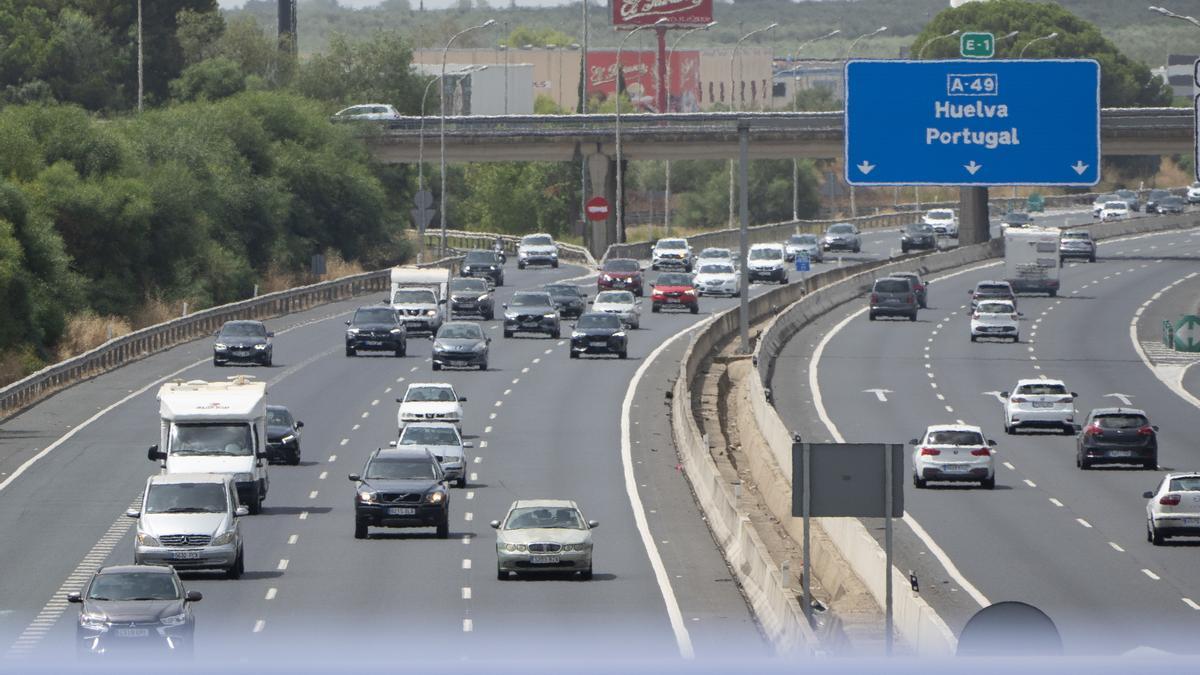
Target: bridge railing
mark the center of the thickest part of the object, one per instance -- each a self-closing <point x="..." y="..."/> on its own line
<point x="462" y="240"/>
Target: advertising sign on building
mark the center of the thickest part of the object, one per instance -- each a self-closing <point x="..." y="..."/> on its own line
<point x="678" y="12"/>
<point x="641" y="83"/>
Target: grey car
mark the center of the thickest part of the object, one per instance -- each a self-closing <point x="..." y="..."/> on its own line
<point x="190" y="521"/>
<point x="917" y="235"/>
<point x="531" y="312"/>
<point x="243" y="341"/>
<point x="842" y="237"/>
<point x="460" y="344"/>
<point x="544" y="535"/>
<point x="471" y="297"/>
<point x="443" y="440"/>
<point x="1076" y="244"/>
<point x="141" y="609"/>
<point x="804" y="244"/>
<point x="893" y="296"/>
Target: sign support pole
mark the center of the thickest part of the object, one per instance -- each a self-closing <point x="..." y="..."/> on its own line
<point x="806" y="449"/>
<point x="973" y="207"/>
<point x="887" y="548"/>
<point x="661" y="68"/>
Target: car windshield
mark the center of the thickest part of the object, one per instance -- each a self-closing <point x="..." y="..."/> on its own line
<point x="562" y="291"/>
<point x="134" y="586"/>
<point x="543" y="517"/>
<point x="415" y="434"/>
<point x="766" y="253"/>
<point x="480" y="257"/>
<point x="621" y="265"/>
<point x="1185" y="484"/>
<point x="243" y="330"/>
<point x="1105" y="198"/>
<point x="716" y="269"/>
<point x="920" y="228"/>
<point x="400" y="469"/>
<point x="1115" y="205"/>
<point x="1017" y="218"/>
<point x="993" y="289"/>
<point x="802" y="239"/>
<point x="716" y="253"/>
<point x="421" y="394"/>
<point x="530" y="300"/>
<point x="218" y="438"/>
<point x="460" y="331"/>
<point x="1121" y="421"/>
<point x="186" y="498"/>
<point x="537" y="240"/>
<point x="995" y="308"/>
<point x="673" y="279"/>
<point x="672" y="244"/>
<point x="615" y="298"/>
<point x="841" y="229"/>
<point x="374" y="315"/>
<point x="892" y="286"/>
<point x="278" y="417"/>
<point x="592" y="321"/>
<point x="954" y="437"/>
<point x="1172" y="201"/>
<point x="1042" y="389"/>
<point x="1075" y="235"/>
<point x="940" y="214"/>
<point x="469" y="285"/>
<point x="1126" y="194"/>
<point x="1158" y="194"/>
<point x="412" y="296"/>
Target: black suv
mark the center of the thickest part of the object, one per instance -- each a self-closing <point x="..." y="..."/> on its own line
<point x="471" y="297"/>
<point x="567" y="298"/>
<point x="918" y="235"/>
<point x="485" y="265"/>
<point x="893" y="296"/>
<point x="283" y="435"/>
<point x="401" y="488"/>
<point x="376" y="328"/>
<point x="1117" y="436"/>
<point x="243" y="342"/>
<point x="599" y="334"/>
<point x="531" y="312"/>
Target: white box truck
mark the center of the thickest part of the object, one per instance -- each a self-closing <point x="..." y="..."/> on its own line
<point x="216" y="427"/>
<point x="419" y="294"/>
<point x="1031" y="259"/>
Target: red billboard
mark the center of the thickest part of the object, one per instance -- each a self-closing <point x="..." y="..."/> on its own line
<point x="641" y="81"/>
<point x="677" y="12"/>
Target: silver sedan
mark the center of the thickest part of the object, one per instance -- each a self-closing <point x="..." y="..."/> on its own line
<point x="621" y="303"/>
<point x="544" y="535"/>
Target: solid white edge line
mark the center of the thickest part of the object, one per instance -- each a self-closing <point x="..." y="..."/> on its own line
<point x="682" y="637"/>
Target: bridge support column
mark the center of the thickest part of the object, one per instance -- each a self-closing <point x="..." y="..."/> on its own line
<point x="602" y="174"/>
<point x="974" y="226"/>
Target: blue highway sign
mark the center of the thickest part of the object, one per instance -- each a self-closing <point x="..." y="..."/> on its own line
<point x="1007" y="122"/>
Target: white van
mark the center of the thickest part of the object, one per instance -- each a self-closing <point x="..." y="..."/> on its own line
<point x="216" y="427"/>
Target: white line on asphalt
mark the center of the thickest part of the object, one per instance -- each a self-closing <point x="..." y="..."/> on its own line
<point x="332" y="459"/>
<point x="470" y="494"/>
<point x="414" y="369"/>
<point x="507" y="392"/>
<point x="1030" y="483"/>
<point x="375" y="402"/>
<point x="516" y="380"/>
<point x="1191" y="603"/>
<point x="949" y="409"/>
<point x="293" y="539"/>
<point x="388" y="390"/>
<point x="1150" y="574"/>
<point x="482" y="445"/>
<point x="344" y="441"/>
<point x="466" y="540"/>
<point x="468" y="516"/>
<point x="304" y="515"/>
<point x="466" y="563"/>
<point x="939" y="396"/>
<point x="312" y="495"/>
<point x="468" y="625"/>
<point x="365" y="415"/>
<point x="1083" y="522"/>
<point x="1116" y="547"/>
<point x="323" y="476"/>
<point x="1055" y="502"/>
<point x="492" y="416"/>
<point x="499" y="403"/>
<point x="466" y="592"/>
<point x="1009" y="466"/>
<point x="259" y="625"/>
<point x="525" y="369"/>
<point x="271" y="593"/>
<point x="537" y="360"/>
<point x="549" y="350"/>
<point x="479" y="459"/>
<point x="487" y="430"/>
<point x="283" y="564"/>
<point x="474" y="477"/>
<point x="355" y="427"/>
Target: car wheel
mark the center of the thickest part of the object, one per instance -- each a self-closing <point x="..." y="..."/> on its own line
<point x="574" y="354"/>
<point x="918" y="482"/>
<point x="1010" y="429"/>
<point x="238" y="568"/>
<point x="461" y="482"/>
<point x="554" y="264"/>
<point x="360" y="529"/>
<point x="641" y="293"/>
<point x="870" y="316"/>
<point x="217" y="364"/>
<point x="501" y="575"/>
<point x="508" y="333"/>
<point x="857" y="249"/>
<point x="489" y="316"/>
<point x="988" y="483"/>
<point x="1151" y="464"/>
<point x="654" y="308"/>
<point x="400" y="352"/>
<point x="350" y="351"/>
<point x="294" y="457"/>
<point x="623" y="354"/>
<point x="520" y="265"/>
<point x="913" y="316"/>
<point x="1153" y="534"/>
<point x="903" y="249"/>
<point x="1069" y="429"/>
<point x="1092" y="259"/>
<point x="1053" y="293"/>
<point x="556" y="334"/>
<point x="1083" y="464"/>
<point x="437" y="366"/>
<point x="483" y="366"/>
<point x="654" y="266"/>
<point x="695" y="309"/>
<point x="443" y="528"/>
<point x="586" y="575"/>
<point x="256" y="501"/>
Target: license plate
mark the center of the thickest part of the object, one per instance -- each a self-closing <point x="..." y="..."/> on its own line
<point x="891" y="301"/>
<point x="133" y="632"/>
<point x="1191" y="522"/>
<point x="185" y="555"/>
<point x="955" y="468"/>
<point x="401" y="511"/>
<point x="600" y="342"/>
<point x="241" y="353"/>
<point x="672" y="300"/>
<point x="1122" y="453"/>
<point x="543" y="559"/>
<point x="373" y="343"/>
<point x="529" y="324"/>
<point x="1043" y="404"/>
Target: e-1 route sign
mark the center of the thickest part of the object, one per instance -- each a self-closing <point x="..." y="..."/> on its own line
<point x="977" y="45"/>
<point x="973" y="123"/>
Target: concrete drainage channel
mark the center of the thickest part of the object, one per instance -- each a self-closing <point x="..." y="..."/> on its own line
<point x="843" y="545"/>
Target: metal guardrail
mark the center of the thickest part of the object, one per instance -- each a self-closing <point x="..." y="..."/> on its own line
<point x="463" y="240"/>
<point x="139" y="344"/>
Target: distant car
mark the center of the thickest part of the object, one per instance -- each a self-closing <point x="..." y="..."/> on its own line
<point x="401" y="488"/>
<point x="568" y="298"/>
<point x="1171" y="205"/>
<point x="917" y="236"/>
<point x="1114" y="210"/>
<point x="804" y="244"/>
<point x="544" y="535"/>
<point x="243" y="341"/>
<point x="537" y="249"/>
<point x="283" y="435"/>
<point x="673" y="254"/>
<point x="919" y="285"/>
<point x="1154" y="198"/>
<point x="460" y="344"/>
<point x="716" y="278"/>
<point x="369" y="112"/>
<point x="1016" y="219"/>
<point x="1117" y="436"/>
<point x="767" y="262"/>
<point x="471" y="297"/>
<point x="893" y="296"/>
<point x="1100" y="201"/>
<point x="1040" y="403"/>
<point x="376" y="328"/>
<point x="622" y="303"/>
<point x="1193" y="193"/>
<point x="531" y="312"/>
<point x="943" y="221"/>
<point x="676" y="290"/>
<point x="1076" y="244"/>
<point x="621" y="274"/>
<point x="430" y="402"/>
<point x="135" y="607"/>
<point x="842" y="237"/>
<point x="995" y="319"/>
<point x="485" y="265"/>
<point x="992" y="290"/>
<point x="1173" y="509"/>
<point x="446" y="444"/>
<point x="953" y="453"/>
<point x="597" y="333"/>
<point x="1130" y="197"/>
<point x="713" y="254"/>
<point x="190" y="521"/>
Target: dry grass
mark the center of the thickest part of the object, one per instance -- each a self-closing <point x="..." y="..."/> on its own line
<point x="87" y="331"/>
<point x="648" y="232"/>
<point x="17" y="363"/>
<point x="336" y="267"/>
<point x="155" y="310"/>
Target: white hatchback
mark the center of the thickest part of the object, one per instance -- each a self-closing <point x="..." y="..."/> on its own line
<point x="1173" y="510"/>
<point x="1040" y="403"/>
<point x="995" y="319"/>
<point x="954" y="453"/>
<point x="1114" y="210"/>
<point x="717" y="279"/>
<point x="943" y="221"/>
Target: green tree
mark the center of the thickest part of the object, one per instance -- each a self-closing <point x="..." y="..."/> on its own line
<point x="209" y="80"/>
<point x="372" y="70"/>
<point x="538" y="36"/>
<point x="519" y="197"/>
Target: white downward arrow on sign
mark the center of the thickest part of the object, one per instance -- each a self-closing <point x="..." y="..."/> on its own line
<point x="972" y="167"/>
<point x="866" y="167"/>
<point x="1079" y="167"/>
<point x="879" y="393"/>
<point x="1123" y="397"/>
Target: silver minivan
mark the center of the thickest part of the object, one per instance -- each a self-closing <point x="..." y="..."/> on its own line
<point x="190" y="521"/>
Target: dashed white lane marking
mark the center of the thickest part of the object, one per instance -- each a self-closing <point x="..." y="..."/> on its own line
<point x="1150" y="574"/>
<point x="468" y="516"/>
<point x="468" y="625"/>
<point x="1055" y="502"/>
<point x="1030" y="483"/>
<point x="479" y="459"/>
<point x="414" y="369"/>
<point x="466" y="563"/>
<point x="399" y="379"/>
<point x="548" y="351"/>
<point x="516" y="380"/>
<point x="537" y="360"/>
<point x="949" y="409"/>
<point x="355" y="427"/>
<point x="293" y="539"/>
<point x="323" y="476"/>
<point x="466" y="592"/>
<point x="332" y="459"/>
<point x="1083" y="522"/>
<point x="271" y="593"/>
<point x="507" y="392"/>
<point x="941" y="398"/>
<point x="304" y="515"/>
<point x="1191" y="603"/>
<point x="487" y="430"/>
<point x="1115" y="547"/>
<point x="375" y="402"/>
<point x="470" y="494"/>
<point x="929" y="374"/>
<point x="492" y="416"/>
<point x="259" y="626"/>
<point x="959" y="422"/>
<point x="499" y="403"/>
<point x="365" y="415"/>
<point x="344" y="441"/>
<point x="1009" y="466"/>
<point x="466" y="540"/>
<point x="388" y="390"/>
<point x="525" y="369"/>
<point x="474" y="477"/>
<point x="482" y="444"/>
<point x="312" y="495"/>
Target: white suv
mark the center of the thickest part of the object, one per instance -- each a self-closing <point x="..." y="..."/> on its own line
<point x="1193" y="193"/>
<point x="1039" y="403"/>
<point x="537" y="249"/>
<point x="953" y="452"/>
<point x="943" y="221"/>
<point x="767" y="262"/>
<point x="430" y="402"/>
<point x="671" y="254"/>
<point x="1173" y="509"/>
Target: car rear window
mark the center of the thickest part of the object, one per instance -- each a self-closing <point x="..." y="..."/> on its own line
<point x="673" y="279"/>
<point x="1042" y="389"/>
<point x="892" y="286"/>
<point x="993" y="289"/>
<point x="954" y="437"/>
<point x="1186" y="484"/>
<point x="995" y="308"/>
<point x="1121" y="421"/>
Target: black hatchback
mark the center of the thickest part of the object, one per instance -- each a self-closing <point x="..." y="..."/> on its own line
<point x="567" y="298"/>
<point x="1117" y="436"/>
<point x="599" y="334"/>
<point x="243" y="342"/>
<point x="134" y="608"/>
<point x="918" y="235"/>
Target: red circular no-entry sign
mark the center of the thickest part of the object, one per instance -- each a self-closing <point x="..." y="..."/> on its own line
<point x="597" y="208"/>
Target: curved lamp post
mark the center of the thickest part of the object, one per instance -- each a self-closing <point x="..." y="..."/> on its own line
<point x="667" y="197"/>
<point x="442" y="133"/>
<point x="617" y="86"/>
<point x="1035" y="40"/>
<point x="733" y="106"/>
<point x="795" y="90"/>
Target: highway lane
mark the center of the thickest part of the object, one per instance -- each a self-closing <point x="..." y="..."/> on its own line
<point x="1082" y="561"/>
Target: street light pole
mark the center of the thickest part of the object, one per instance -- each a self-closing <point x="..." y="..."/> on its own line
<point x="620" y="173"/>
<point x="1172" y="15"/>
<point x="667" y="84"/>
<point x="140" y="61"/>
<point x="853" y="44"/>
<point x="795" y="108"/>
<point x="921" y="53"/>
<point x="1036" y="39"/>
<point x="421" y="162"/>
<point x="442" y="133"/>
<point x="733" y="106"/>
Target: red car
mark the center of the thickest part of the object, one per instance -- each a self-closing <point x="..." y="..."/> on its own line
<point x="621" y="274"/>
<point x="674" y="289"/>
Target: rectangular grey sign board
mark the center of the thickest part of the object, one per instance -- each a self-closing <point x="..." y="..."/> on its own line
<point x="848" y="479"/>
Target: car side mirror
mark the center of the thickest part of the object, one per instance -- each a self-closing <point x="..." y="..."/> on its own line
<point x="241" y="511"/>
<point x="488" y="340"/>
<point x="462" y="399"/>
<point x="504" y="305"/>
<point x="386" y="301"/>
<point x="431" y="337"/>
<point x="194" y="596"/>
<point x="299" y="424"/>
<point x="354" y="478"/>
<point x="154" y="454"/>
<point x="270" y="333"/>
<point x="347" y="323"/>
<point x="495" y="524"/>
<point x="1020" y="313"/>
<point x="593" y="524"/>
<point x="1074" y="395"/>
<point x="1145" y="495"/>
<point x="392" y="444"/>
<point x="913" y="441"/>
<point x="468" y="444"/>
<point x="1004" y="394"/>
<point x="1155" y="427"/>
<point x="133" y="513"/>
<point x="77" y="598"/>
<point x="399" y="400"/>
<point x="572" y="326"/>
<point x="991" y="443"/>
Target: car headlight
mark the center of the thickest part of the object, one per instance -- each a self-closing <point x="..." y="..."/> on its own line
<point x="431" y="312"/>
<point x="479" y="347"/>
<point x="690" y="291"/>
<point x="516" y="547"/>
<point x="288" y="439"/>
<point x="260" y="347"/>
<point x="93" y="622"/>
<point x="176" y="620"/>
<point x="144" y="539"/>
<point x="577" y="334"/>
<point x="549" y="315"/>
<point x="223" y="539"/>
<point x="619" y="334"/>
<point x="366" y="496"/>
<point x="438" y="346"/>
<point x="220" y="346"/>
<point x="436" y="497"/>
<point x="351" y="331"/>
<point x="483" y="298"/>
<point x="396" y="331"/>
